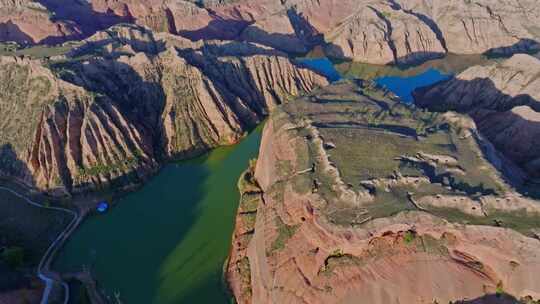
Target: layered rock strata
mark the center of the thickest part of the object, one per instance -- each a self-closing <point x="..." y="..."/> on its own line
<point x="379" y="32"/>
<point x="347" y="204"/>
<point x="115" y="116"/>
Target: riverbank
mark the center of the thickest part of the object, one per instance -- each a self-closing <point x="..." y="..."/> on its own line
<point x="190" y="207"/>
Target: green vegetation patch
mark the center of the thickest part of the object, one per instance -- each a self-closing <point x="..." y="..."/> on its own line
<point x="244" y="270"/>
<point x="285" y="232"/>
<point x="247" y="183"/>
<point x="519" y="221"/>
<point x="27" y="227"/>
<point x="249" y="220"/>
<point x="249" y="202"/>
<point x="409" y="237"/>
<point x="36" y="52"/>
<point x="101" y="168"/>
<point x="338" y="259"/>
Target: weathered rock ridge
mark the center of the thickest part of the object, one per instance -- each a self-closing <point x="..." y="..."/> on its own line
<point x="504" y="101"/>
<point x="348" y="202"/>
<point x="28" y="22"/>
<point x="112" y="115"/>
<point x="372" y="31"/>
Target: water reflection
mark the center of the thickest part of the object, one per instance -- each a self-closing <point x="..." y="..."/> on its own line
<point x="404" y="86"/>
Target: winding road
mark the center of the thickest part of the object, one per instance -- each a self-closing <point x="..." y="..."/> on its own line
<point x="43" y="271"/>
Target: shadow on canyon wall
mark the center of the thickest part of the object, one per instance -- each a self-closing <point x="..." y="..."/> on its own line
<point x="140" y="101"/>
<point x="304" y="38"/>
<point x="515" y="136"/>
<point x="149" y="46"/>
<point x="426" y="20"/>
<point x="143" y="102"/>
<point x="12" y="166"/>
<point x="12" y="32"/>
<point x="523" y="46"/>
<point x="219" y="28"/>
<point x="491" y="299"/>
<point x="83" y="15"/>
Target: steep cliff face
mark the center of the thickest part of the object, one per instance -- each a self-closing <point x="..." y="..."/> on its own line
<point x="28" y="22"/>
<point x="113" y="119"/>
<point x="342" y="207"/>
<point x="404" y="31"/>
<point x="503" y="99"/>
<point x="71" y="137"/>
<point x="379" y="34"/>
<point x="472" y="27"/>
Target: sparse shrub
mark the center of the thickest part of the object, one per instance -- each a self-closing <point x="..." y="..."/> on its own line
<point x="499" y="290"/>
<point x="409" y="237"/>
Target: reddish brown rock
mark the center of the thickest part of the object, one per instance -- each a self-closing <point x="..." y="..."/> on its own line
<point x="297" y="254"/>
<point x="380" y="32"/>
<point x="503" y="100"/>
<point x="115" y="120"/>
<point x="28" y="22"/>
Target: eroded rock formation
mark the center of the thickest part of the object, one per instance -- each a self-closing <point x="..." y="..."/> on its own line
<point x="503" y="99"/>
<point x="113" y="117"/>
<point x="380" y="32"/>
<point x="347" y="203"/>
<point x="28" y="22"/>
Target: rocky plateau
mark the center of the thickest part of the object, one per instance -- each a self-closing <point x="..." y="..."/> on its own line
<point x="503" y="99"/>
<point x="356" y="196"/>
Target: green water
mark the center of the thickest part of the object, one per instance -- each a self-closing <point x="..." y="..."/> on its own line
<point x="167" y="242"/>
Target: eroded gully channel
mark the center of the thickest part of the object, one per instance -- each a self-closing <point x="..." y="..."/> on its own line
<point x="167" y="242"/>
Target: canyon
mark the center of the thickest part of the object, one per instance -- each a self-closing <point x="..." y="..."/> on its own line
<point x="93" y="122"/>
<point x="372" y="31"/>
<point x="355" y="194"/>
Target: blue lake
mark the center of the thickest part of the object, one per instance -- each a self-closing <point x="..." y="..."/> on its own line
<point x="404" y="86"/>
<point x="322" y="66"/>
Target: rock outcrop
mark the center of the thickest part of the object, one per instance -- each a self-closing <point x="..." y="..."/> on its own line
<point x="28" y="22"/>
<point x="473" y="27"/>
<point x="504" y="101"/>
<point x="115" y="116"/>
<point x="379" y="32"/>
<point x="329" y="214"/>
